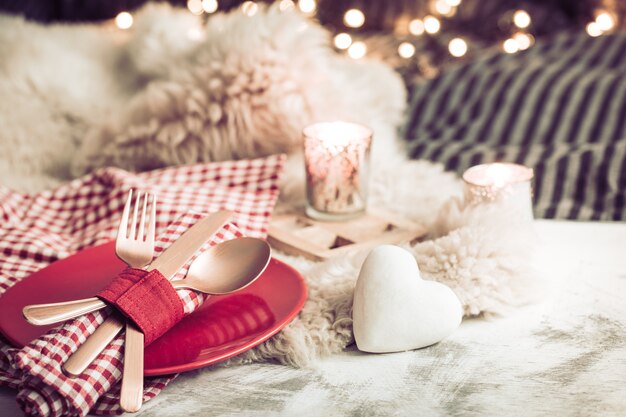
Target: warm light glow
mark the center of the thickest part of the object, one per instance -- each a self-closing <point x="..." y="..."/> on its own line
<point x="343" y="41"/>
<point x="498" y="174"/>
<point x="605" y="21"/>
<point x="524" y="40"/>
<point x="521" y="19"/>
<point x="357" y="50"/>
<point x="124" y="20"/>
<point x="209" y="6"/>
<point x="593" y="29"/>
<point x="195" y="6"/>
<point x="336" y="136"/>
<point x="354" y="18"/>
<point x="431" y="24"/>
<point x="416" y="27"/>
<point x="443" y="7"/>
<point x="307" y="6"/>
<point x="453" y="3"/>
<point x="285" y="5"/>
<point x="457" y="47"/>
<point x="195" y="33"/>
<point x="406" y="50"/>
<point x="249" y="8"/>
<point x="510" y="46"/>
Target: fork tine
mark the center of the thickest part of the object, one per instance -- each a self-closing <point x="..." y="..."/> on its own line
<point x="133" y="225"/>
<point x="142" y="222"/>
<point x="152" y="225"/>
<point x="122" y="231"/>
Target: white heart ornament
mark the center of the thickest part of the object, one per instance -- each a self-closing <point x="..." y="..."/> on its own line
<point x="395" y="309"/>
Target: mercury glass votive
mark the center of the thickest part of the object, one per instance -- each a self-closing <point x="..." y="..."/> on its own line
<point x="336" y="159"/>
<point x="506" y="183"/>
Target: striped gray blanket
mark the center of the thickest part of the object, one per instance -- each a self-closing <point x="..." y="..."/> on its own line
<point x="559" y="107"/>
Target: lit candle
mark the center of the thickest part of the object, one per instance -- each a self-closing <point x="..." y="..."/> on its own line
<point x="336" y="156"/>
<point x="509" y="184"/>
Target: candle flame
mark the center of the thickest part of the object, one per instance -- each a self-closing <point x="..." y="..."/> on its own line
<point x="498" y="174"/>
<point x="336" y="136"/>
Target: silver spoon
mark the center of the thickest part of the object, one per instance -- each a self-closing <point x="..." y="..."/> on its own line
<point x="221" y="269"/>
<point x="227" y="267"/>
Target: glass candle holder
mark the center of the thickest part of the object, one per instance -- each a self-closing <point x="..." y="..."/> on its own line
<point x="336" y="159"/>
<point x="506" y="183"/>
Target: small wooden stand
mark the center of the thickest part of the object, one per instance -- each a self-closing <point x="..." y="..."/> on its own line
<point x="299" y="235"/>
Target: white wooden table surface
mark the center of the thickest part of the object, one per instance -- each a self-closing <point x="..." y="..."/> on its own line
<point x="563" y="356"/>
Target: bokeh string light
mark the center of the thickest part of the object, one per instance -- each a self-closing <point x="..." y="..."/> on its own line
<point x="457" y="47"/>
<point x="124" y="20"/>
<point x="209" y="6"/>
<point x="510" y="46"/>
<point x="354" y="18"/>
<point x="604" y="22"/>
<point x="431" y="24"/>
<point x="593" y="29"/>
<point x="195" y="6"/>
<point x="249" y="8"/>
<point x="521" y="19"/>
<point x="416" y="27"/>
<point x="443" y="8"/>
<point x="307" y="6"/>
<point x="524" y="40"/>
<point x="357" y="50"/>
<point x="343" y="41"/>
<point x="434" y="22"/>
<point x="406" y="50"/>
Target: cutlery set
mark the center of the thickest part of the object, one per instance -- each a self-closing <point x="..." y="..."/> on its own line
<point x="223" y="268"/>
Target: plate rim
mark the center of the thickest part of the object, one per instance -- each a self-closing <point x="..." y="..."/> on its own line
<point x="174" y="369"/>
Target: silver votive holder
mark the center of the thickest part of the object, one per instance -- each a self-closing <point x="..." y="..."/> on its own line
<point x="505" y="183"/>
<point x="336" y="159"/>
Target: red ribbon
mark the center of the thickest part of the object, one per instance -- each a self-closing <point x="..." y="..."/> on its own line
<point x="147" y="298"/>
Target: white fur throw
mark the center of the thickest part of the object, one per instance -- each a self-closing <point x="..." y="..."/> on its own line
<point x="75" y="98"/>
<point x="247" y="88"/>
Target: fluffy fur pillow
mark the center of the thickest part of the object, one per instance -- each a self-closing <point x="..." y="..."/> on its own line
<point x="78" y="97"/>
<point x="245" y="88"/>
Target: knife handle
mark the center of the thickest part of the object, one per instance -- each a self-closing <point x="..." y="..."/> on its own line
<point x="131" y="396"/>
<point x="88" y="351"/>
<point x="44" y="314"/>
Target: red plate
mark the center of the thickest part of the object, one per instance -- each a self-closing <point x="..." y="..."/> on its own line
<point x="222" y="327"/>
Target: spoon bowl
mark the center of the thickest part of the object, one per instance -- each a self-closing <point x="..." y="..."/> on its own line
<point x="227" y="267"/>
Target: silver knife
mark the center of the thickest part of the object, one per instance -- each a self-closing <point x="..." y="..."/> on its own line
<point x="46" y="314"/>
<point x="168" y="263"/>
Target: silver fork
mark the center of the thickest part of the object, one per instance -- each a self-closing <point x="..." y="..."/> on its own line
<point x="136" y="248"/>
<point x="128" y="247"/>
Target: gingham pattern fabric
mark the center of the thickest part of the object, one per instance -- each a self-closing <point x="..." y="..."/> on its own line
<point x="37" y="230"/>
<point x="45" y="390"/>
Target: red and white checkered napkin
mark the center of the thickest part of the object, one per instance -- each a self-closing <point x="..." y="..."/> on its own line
<point x="45" y="390"/>
<point x="37" y="230"/>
